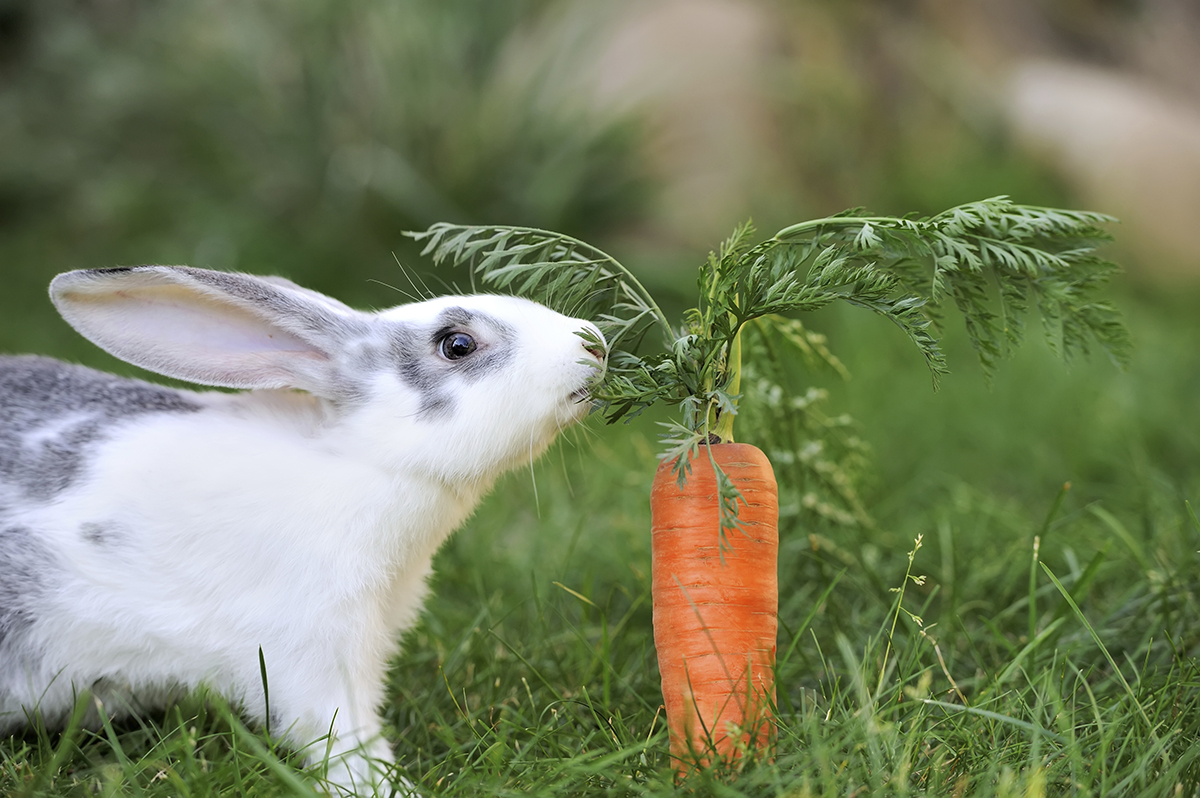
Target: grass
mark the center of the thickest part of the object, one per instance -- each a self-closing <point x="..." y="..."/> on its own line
<point x="1050" y="647"/>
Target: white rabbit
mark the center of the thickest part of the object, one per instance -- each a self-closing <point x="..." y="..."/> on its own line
<point x="153" y="539"/>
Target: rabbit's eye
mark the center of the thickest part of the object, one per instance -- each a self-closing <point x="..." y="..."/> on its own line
<point x="457" y="345"/>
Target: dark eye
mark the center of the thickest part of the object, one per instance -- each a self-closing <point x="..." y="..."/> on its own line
<point x="457" y="345"/>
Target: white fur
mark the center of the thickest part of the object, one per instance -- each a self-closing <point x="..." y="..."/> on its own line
<point x="301" y="522"/>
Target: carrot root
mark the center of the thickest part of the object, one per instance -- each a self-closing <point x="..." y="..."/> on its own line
<point x="716" y="598"/>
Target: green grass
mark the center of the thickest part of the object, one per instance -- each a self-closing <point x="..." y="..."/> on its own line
<point x="1072" y="672"/>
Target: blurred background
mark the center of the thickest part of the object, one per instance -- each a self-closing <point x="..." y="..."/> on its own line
<point x="302" y="137"/>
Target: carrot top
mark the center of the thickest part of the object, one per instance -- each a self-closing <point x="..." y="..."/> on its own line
<point x="990" y="260"/>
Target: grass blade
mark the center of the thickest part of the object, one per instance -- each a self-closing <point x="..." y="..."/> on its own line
<point x="984" y="713"/>
<point x="1103" y="649"/>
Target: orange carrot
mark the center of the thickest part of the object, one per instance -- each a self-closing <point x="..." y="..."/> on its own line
<point x="715" y="609"/>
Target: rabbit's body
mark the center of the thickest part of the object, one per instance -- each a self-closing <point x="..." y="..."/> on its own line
<point x="153" y="539"/>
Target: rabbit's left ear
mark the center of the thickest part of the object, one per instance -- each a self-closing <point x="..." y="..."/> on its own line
<point x="212" y="328"/>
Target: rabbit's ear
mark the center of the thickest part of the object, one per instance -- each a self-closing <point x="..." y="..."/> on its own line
<point x="213" y="328"/>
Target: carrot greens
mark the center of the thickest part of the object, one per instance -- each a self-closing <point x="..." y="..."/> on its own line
<point x="993" y="261"/>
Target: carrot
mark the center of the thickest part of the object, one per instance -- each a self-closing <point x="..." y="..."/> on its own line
<point x="715" y="606"/>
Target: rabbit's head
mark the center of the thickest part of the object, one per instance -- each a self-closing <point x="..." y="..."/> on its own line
<point x="459" y="388"/>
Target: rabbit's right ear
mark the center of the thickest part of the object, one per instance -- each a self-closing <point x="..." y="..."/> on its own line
<point x="213" y="328"/>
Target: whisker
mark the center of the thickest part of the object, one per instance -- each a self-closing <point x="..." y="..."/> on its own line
<point x="408" y="274"/>
<point x="537" y="505"/>
<point x="399" y="291"/>
<point x="562" y="461"/>
<point x="588" y="298"/>
<point x="426" y="285"/>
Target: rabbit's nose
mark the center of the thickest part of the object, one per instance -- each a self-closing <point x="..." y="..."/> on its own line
<point x="596" y="350"/>
<point x="594" y="343"/>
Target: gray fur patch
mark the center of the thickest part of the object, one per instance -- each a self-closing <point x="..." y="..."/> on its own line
<point x="100" y="534"/>
<point x="416" y="359"/>
<point x="291" y="307"/>
<point x="25" y="569"/>
<point x="53" y="411"/>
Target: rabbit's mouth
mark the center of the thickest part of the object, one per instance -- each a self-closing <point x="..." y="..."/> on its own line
<point x="583" y="394"/>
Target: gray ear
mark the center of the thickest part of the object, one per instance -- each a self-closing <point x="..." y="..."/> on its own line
<point x="316" y="296"/>
<point x="213" y="328"/>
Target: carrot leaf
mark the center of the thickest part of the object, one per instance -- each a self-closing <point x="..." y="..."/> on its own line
<point x="992" y="261"/>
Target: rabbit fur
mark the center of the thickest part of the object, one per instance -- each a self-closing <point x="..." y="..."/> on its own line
<point x="152" y="539"/>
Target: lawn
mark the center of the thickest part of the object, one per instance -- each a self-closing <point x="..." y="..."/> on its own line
<point x="983" y="633"/>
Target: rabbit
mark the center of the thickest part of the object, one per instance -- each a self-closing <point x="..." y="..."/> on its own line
<point x="153" y="539"/>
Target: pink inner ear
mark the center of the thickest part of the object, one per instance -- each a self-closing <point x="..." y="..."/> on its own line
<point x="217" y="328"/>
<point x="180" y="332"/>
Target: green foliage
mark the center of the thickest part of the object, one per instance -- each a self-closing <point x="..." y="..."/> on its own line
<point x="296" y="138"/>
<point x="994" y="259"/>
<point x="555" y="269"/>
<point x="416" y="109"/>
<point x="820" y="460"/>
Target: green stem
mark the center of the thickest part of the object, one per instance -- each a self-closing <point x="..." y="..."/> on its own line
<point x="724" y="423"/>
<point x="830" y="221"/>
